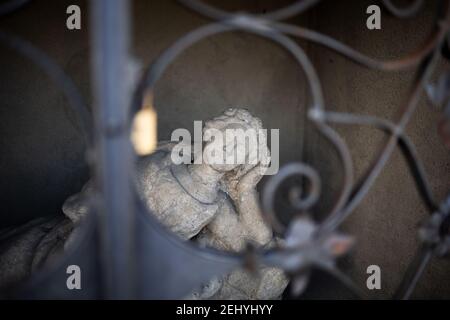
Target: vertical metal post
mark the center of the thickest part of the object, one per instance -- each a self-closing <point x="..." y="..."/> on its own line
<point x="109" y="39"/>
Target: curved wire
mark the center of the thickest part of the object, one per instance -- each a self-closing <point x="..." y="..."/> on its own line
<point x="405" y="12"/>
<point x="273" y="184"/>
<point x="408" y="61"/>
<point x="407" y="147"/>
<point x="347" y="163"/>
<point x="290" y="11"/>
<point x="405" y="62"/>
<point x="58" y="76"/>
<point x="343" y="278"/>
<point x="413" y="273"/>
<point x="332" y="222"/>
<point x="204" y="9"/>
<point x="240" y="23"/>
<point x="11" y="6"/>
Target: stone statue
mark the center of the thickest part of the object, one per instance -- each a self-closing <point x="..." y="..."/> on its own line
<point x="214" y="204"/>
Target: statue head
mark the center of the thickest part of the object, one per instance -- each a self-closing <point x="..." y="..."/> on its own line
<point x="235" y="134"/>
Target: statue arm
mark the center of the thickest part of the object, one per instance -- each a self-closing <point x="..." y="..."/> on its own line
<point x="243" y="221"/>
<point x="250" y="217"/>
<point x="230" y="230"/>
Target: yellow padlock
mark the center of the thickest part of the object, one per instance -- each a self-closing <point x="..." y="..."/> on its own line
<point x="144" y="130"/>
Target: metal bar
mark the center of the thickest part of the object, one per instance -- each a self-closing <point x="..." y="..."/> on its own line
<point x="413" y="274"/>
<point x="109" y="36"/>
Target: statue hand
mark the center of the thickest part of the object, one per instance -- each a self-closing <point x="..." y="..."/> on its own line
<point x="76" y="206"/>
<point x="249" y="181"/>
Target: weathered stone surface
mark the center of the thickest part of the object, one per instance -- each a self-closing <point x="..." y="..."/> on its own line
<point x="24" y="249"/>
<point x="217" y="204"/>
<point x="213" y="204"/>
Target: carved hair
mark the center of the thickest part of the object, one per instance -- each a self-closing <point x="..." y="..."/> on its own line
<point x="244" y="118"/>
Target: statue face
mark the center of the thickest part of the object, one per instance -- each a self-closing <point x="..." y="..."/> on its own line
<point x="221" y="152"/>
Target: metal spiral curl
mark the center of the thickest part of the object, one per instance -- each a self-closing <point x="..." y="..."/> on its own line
<point x="404" y="12"/>
<point x="298" y="201"/>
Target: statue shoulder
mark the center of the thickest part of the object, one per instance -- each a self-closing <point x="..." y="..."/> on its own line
<point x="156" y="161"/>
<point x="27" y="247"/>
